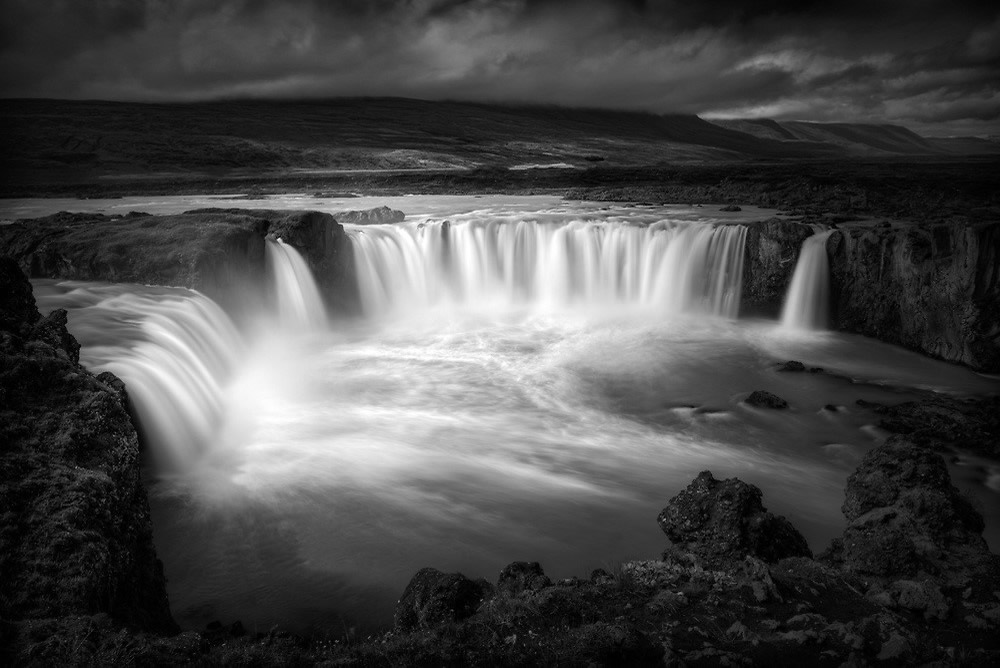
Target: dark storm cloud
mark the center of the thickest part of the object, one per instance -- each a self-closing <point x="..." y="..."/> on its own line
<point x="922" y="63"/>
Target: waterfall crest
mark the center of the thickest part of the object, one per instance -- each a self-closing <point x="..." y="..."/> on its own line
<point x="674" y="267"/>
<point x="182" y="358"/>
<point x="185" y="350"/>
<point x="807" y="302"/>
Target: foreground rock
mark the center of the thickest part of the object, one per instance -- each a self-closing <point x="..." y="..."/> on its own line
<point x="75" y="528"/>
<point x="945" y="423"/>
<point x="747" y="605"/>
<point x="434" y="598"/>
<point x="723" y="521"/>
<point x="905" y="517"/>
<point x="765" y="399"/>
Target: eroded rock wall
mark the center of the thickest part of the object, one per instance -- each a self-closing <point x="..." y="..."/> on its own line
<point x="75" y="530"/>
<point x="772" y="248"/>
<point x="934" y="289"/>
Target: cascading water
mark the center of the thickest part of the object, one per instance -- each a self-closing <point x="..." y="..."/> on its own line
<point x="807" y="302"/>
<point x="179" y="353"/>
<point x="298" y="299"/>
<point x="302" y="458"/>
<point x="676" y="267"/>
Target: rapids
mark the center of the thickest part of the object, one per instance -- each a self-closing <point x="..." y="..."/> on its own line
<point x="531" y="381"/>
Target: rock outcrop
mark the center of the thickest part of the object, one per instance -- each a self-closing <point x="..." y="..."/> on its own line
<point x="765" y="399"/>
<point x="74" y="526"/>
<point x="723" y="521"/>
<point x="772" y="248"/>
<point x="905" y="517"/>
<point x="931" y="288"/>
<point x="220" y="252"/>
<point x="376" y="216"/>
<point x="433" y="598"/>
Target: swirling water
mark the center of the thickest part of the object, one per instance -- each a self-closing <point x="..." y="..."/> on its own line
<point x="479" y="415"/>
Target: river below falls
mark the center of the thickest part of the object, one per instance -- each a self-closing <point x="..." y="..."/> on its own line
<point x="465" y="438"/>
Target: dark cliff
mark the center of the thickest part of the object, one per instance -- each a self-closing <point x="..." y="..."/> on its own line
<point x="75" y="531"/>
<point x="772" y="248"/>
<point x="931" y="288"/>
<point x="220" y="252"/>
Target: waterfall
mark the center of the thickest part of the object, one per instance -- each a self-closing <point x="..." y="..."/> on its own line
<point x="299" y="303"/>
<point x="676" y="267"/>
<point x="175" y="359"/>
<point x="182" y="358"/>
<point x="808" y="300"/>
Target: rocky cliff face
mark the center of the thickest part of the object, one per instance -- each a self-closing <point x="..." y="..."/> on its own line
<point x="321" y="239"/>
<point x="934" y="288"/>
<point x="217" y="251"/>
<point x="772" y="248"/>
<point x="931" y="288"/>
<point x="74" y="526"/>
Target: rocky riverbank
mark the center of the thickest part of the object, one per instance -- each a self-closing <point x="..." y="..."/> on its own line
<point x="220" y="252"/>
<point x="75" y="532"/>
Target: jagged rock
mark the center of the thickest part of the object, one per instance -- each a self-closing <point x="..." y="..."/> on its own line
<point x="376" y="216"/>
<point x="75" y="526"/>
<point x="52" y="330"/>
<point x="522" y="575"/>
<point x="772" y="247"/>
<point x="928" y="288"/>
<point x="723" y="521"/>
<point x="792" y="366"/>
<point x="731" y="207"/>
<point x="116" y="384"/>
<point x="925" y="597"/>
<point x="964" y="424"/>
<point x="600" y="576"/>
<point x="764" y="399"/>
<point x="904" y="515"/>
<point x="18" y="313"/>
<point x="433" y="597"/>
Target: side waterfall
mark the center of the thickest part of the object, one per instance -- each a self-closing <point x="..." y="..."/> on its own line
<point x="676" y="267"/>
<point x="179" y="353"/>
<point x="299" y="303"/>
<point x="807" y="302"/>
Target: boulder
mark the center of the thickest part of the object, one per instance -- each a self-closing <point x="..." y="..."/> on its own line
<point x="433" y="598"/>
<point x="904" y="516"/>
<point x="723" y="521"/>
<point x="521" y="576"/>
<point x="377" y="216"/>
<point x="52" y="330"/>
<point x="792" y="366"/>
<point x="764" y="399"/>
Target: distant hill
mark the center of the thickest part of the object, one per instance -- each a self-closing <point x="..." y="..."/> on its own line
<point x="862" y="139"/>
<point x="59" y="140"/>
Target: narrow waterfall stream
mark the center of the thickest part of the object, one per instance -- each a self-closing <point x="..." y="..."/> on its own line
<point x="525" y="384"/>
<point x="807" y="304"/>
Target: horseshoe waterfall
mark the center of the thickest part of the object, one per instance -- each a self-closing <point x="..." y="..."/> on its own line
<point x="523" y="379"/>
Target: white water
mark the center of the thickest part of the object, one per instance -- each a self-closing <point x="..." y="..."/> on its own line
<point x="298" y="299"/>
<point x="502" y="419"/>
<point x="807" y="303"/>
<point x="500" y="263"/>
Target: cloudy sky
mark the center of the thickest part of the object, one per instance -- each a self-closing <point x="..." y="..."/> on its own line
<point x="930" y="64"/>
